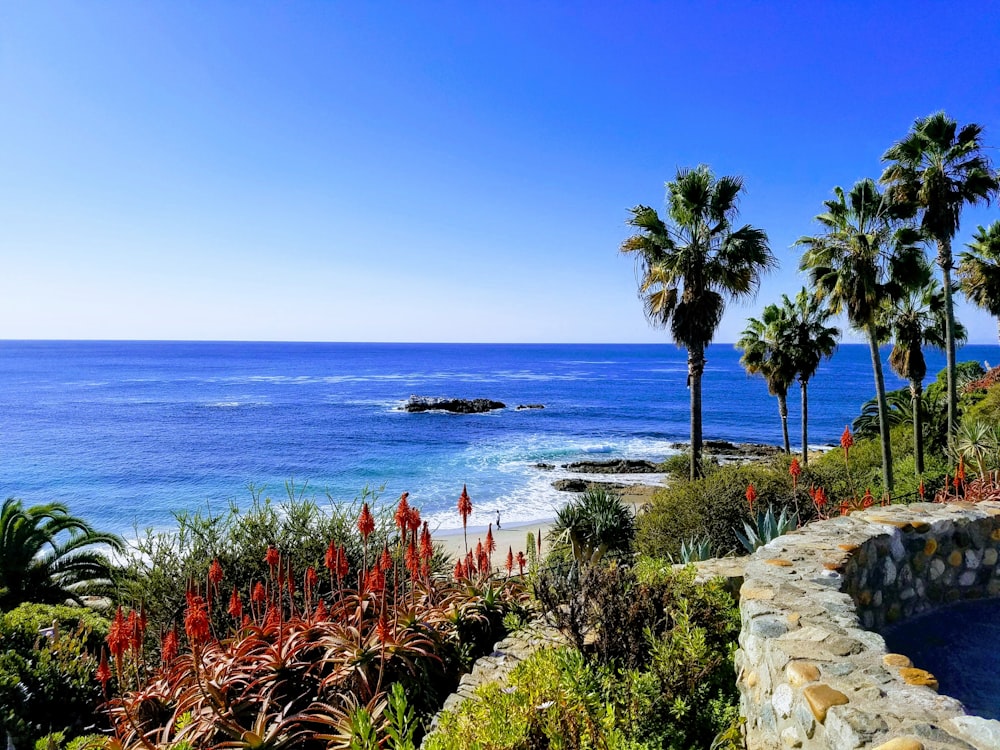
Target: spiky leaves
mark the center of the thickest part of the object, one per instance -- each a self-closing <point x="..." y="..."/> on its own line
<point x="49" y="556"/>
<point x="691" y="264"/>
<point x="979" y="270"/>
<point x="933" y="173"/>
<point x="864" y="257"/>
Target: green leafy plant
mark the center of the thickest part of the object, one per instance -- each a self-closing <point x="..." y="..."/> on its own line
<point x="766" y="528"/>
<point x="694" y="550"/>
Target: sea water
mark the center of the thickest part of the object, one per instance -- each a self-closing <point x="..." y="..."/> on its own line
<point x="127" y="433"/>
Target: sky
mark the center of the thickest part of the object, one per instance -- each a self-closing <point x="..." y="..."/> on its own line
<point x="434" y="171"/>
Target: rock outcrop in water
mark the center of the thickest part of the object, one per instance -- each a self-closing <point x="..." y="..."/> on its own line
<point x="452" y="405"/>
<point x="613" y="466"/>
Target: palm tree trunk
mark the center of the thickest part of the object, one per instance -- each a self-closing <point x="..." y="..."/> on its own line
<point x="883" y="411"/>
<point x="918" y="424"/>
<point x="696" y="366"/>
<point x="783" y="413"/>
<point x="945" y="261"/>
<point x="803" y="384"/>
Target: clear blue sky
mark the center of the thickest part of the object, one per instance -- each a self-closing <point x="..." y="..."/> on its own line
<point x="433" y="171"/>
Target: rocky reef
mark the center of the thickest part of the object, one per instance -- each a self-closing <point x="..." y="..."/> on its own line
<point x="452" y="405"/>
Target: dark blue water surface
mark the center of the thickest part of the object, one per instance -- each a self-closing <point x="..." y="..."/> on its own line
<point x="127" y="432"/>
<point x="957" y="644"/>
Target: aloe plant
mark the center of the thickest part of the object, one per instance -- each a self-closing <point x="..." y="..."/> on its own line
<point x="766" y="528"/>
<point x="695" y="549"/>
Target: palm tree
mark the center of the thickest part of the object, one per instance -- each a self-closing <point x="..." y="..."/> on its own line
<point x="917" y="320"/>
<point x="979" y="270"/>
<point x="864" y="257"/>
<point x="813" y="342"/>
<point x="934" y="172"/>
<point x="48" y="556"/>
<point x="690" y="264"/>
<point x="767" y="351"/>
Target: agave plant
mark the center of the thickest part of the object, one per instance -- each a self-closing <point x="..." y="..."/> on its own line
<point x="695" y="549"/>
<point x="767" y="527"/>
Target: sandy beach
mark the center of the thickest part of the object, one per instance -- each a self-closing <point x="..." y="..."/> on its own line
<point x="513" y="537"/>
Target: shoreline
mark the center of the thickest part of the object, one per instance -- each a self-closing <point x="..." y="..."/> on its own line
<point x="513" y="537"/>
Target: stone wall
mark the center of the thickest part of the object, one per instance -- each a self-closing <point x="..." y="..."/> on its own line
<point x="810" y="672"/>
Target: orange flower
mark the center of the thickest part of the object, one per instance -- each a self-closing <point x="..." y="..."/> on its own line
<point x="103" y="673"/>
<point x="215" y="572"/>
<point x="118" y="635"/>
<point x="343" y="568"/>
<point x="867" y="501"/>
<point x="366" y="524"/>
<point x="751" y="495"/>
<point x="259" y="593"/>
<point x="196" y="623"/>
<point x="413" y="519"/>
<point x="272" y="556"/>
<point x="846" y="440"/>
<point x="459" y="572"/>
<point x="795" y="470"/>
<point x="510" y="560"/>
<point x="960" y="472"/>
<point x="521" y="561"/>
<point x="819" y="497"/>
<point x="921" y="489"/>
<point x="464" y="505"/>
<point x="311" y="579"/>
<point x="321" y="613"/>
<point x="412" y="559"/>
<point x="402" y="510"/>
<point x="330" y="558"/>
<point x="169" y="647"/>
<point x="235" y="605"/>
<point x="386" y="561"/>
<point x="490" y="546"/>
<point x="382" y="628"/>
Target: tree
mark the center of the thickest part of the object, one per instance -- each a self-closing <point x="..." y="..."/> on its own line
<point x="979" y="270"/>
<point x="813" y="341"/>
<point x="689" y="265"/>
<point x="597" y="523"/>
<point x="916" y="320"/>
<point x="767" y="351"/>
<point x="933" y="173"/>
<point x="863" y="258"/>
<point x="48" y="556"/>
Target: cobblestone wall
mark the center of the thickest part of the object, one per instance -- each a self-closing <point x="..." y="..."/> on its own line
<point x="813" y="675"/>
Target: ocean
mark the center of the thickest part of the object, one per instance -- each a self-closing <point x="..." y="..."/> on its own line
<point x="127" y="433"/>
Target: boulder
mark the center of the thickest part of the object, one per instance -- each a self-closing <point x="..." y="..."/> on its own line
<point x="582" y="485"/>
<point x="613" y="466"/>
<point x="522" y="407"/>
<point x="453" y="405"/>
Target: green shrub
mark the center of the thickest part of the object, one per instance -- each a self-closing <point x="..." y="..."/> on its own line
<point x="20" y="626"/>
<point x="715" y="507"/>
<point x="658" y="673"/>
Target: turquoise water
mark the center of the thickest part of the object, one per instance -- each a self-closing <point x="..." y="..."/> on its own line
<point x="127" y="432"/>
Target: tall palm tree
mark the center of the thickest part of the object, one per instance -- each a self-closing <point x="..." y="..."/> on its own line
<point x="49" y="556"/>
<point x="862" y="258"/>
<point x="979" y="270"/>
<point x="935" y="171"/>
<point x="916" y="320"/>
<point x="767" y="346"/>
<point x="813" y="341"/>
<point x="691" y="263"/>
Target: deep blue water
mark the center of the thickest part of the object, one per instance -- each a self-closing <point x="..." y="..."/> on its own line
<point x="127" y="432"/>
<point x="957" y="644"/>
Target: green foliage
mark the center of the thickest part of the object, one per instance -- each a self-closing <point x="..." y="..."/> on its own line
<point x="19" y="628"/>
<point x="659" y="674"/>
<point x="401" y="720"/>
<point x="46" y="685"/>
<point x="160" y="567"/>
<point x="694" y="550"/>
<point x="50" y="556"/>
<point x="766" y="528"/>
<point x="714" y="507"/>
<point x="595" y="524"/>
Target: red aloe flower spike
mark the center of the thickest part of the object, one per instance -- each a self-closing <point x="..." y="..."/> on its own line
<point x="235" y="605"/>
<point x="386" y="562"/>
<point x="820" y="497"/>
<point x="169" y="647"/>
<point x="412" y="560"/>
<point x="510" y="561"/>
<point x="271" y="557"/>
<point x="366" y="524"/>
<point x="310" y="580"/>
<point x="196" y="623"/>
<point x="413" y="519"/>
<point x="134" y="632"/>
<point x="401" y="511"/>
<point x="382" y="629"/>
<point x="103" y="674"/>
<point x="867" y="501"/>
<point x="459" y="572"/>
<point x="215" y="572"/>
<point x="470" y="565"/>
<point x="330" y="558"/>
<point x="425" y="569"/>
<point x="490" y="545"/>
<point x="321" y="613"/>
<point x="846" y="441"/>
<point x="751" y="495"/>
<point x="960" y="471"/>
<point x="118" y="638"/>
<point x="521" y="562"/>
<point x="921" y="489"/>
<point x="796" y="471"/>
<point x="343" y="567"/>
<point x="426" y="543"/>
<point x="259" y="593"/>
<point x="465" y="510"/>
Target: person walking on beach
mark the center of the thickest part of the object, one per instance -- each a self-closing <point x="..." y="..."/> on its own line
<point x="498" y="520"/>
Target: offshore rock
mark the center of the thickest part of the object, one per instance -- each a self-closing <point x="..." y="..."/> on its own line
<point x="582" y="485"/>
<point x="613" y="466"/>
<point x="523" y="407"/>
<point x="452" y="405"/>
